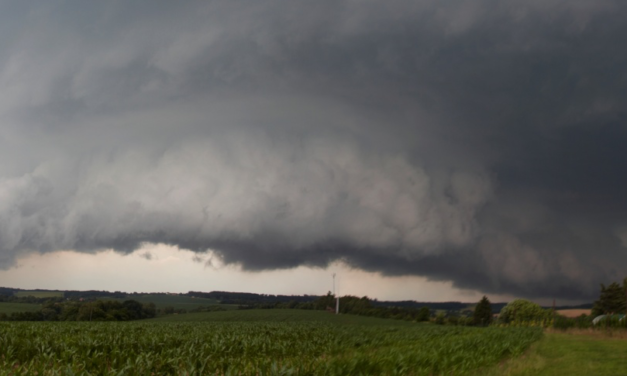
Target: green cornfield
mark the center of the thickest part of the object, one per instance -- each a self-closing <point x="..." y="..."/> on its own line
<point x="293" y="347"/>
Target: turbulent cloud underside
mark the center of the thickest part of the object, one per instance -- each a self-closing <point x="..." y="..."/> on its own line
<point x="479" y="143"/>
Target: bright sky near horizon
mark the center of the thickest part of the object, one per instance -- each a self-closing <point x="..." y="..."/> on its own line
<point x="427" y="150"/>
<point x="162" y="268"/>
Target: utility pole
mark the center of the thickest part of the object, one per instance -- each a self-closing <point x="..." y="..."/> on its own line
<point x="554" y="313"/>
<point x="337" y="299"/>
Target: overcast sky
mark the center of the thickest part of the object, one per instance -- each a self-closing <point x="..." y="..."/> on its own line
<point x="458" y="147"/>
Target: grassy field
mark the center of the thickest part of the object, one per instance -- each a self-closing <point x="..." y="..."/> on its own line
<point x="256" y="342"/>
<point x="161" y="301"/>
<point x="280" y="315"/>
<point x="176" y="301"/>
<point x="39" y="294"/>
<point x="570" y="353"/>
<point x="9" y="308"/>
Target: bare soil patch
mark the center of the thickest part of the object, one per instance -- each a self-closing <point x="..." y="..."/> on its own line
<point x="573" y="312"/>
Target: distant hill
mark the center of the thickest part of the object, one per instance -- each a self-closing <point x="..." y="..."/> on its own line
<point x="242" y="298"/>
<point x="7" y="291"/>
<point x="247" y="298"/>
<point x="437" y="306"/>
<point x="580" y="306"/>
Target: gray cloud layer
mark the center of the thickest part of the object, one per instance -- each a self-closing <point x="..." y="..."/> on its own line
<point x="477" y="142"/>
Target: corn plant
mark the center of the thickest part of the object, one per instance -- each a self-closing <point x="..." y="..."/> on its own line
<point x="253" y="348"/>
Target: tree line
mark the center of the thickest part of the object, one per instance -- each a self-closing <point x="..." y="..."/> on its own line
<point x="98" y="310"/>
<point x="249" y="298"/>
<point x="364" y="306"/>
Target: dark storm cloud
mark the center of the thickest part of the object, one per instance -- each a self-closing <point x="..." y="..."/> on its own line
<point x="474" y="142"/>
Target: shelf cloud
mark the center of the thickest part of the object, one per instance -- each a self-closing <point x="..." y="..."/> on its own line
<point x="480" y="143"/>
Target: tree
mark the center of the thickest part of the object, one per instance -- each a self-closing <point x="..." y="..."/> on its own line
<point x="440" y="318"/>
<point x="134" y="308"/>
<point x="424" y="314"/>
<point x="325" y="301"/>
<point x="150" y="310"/>
<point x="611" y="300"/>
<point x="483" y="312"/>
<point x="520" y="310"/>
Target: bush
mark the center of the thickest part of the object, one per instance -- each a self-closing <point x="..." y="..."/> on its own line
<point x="423" y="314"/>
<point x="524" y="312"/>
<point x="440" y="318"/>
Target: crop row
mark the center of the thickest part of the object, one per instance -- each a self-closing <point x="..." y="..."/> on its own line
<point x="244" y="348"/>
